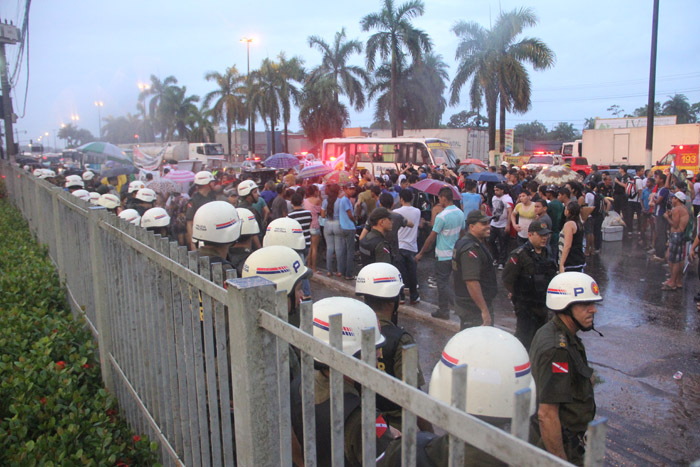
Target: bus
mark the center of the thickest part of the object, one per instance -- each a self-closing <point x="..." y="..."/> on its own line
<point x="379" y="154"/>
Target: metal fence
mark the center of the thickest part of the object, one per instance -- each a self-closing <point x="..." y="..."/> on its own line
<point x="180" y="351"/>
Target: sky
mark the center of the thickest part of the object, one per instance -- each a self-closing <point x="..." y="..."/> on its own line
<point x="82" y="51"/>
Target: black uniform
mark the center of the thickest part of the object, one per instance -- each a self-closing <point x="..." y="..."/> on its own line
<point x="472" y="261"/>
<point x="374" y="248"/>
<point x="390" y="361"/>
<point x="527" y="275"/>
<point x="196" y="202"/>
<point x="562" y="375"/>
<point x="237" y="256"/>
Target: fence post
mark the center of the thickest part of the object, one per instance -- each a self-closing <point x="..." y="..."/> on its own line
<point x="58" y="232"/>
<point x="254" y="373"/>
<point x="595" y="449"/>
<point x="99" y="286"/>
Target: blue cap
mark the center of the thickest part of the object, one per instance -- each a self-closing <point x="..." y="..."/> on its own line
<point x="423" y="176"/>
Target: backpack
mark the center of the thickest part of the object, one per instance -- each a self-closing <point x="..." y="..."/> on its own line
<point x="631" y="188"/>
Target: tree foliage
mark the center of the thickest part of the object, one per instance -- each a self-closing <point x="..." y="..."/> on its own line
<point x="229" y="101"/>
<point x="320" y="116"/>
<point x="467" y="119"/>
<point x="75" y="136"/>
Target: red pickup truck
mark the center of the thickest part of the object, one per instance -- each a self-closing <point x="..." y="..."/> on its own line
<point x="580" y="165"/>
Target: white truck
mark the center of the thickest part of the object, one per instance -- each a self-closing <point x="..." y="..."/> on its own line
<point x="617" y="146"/>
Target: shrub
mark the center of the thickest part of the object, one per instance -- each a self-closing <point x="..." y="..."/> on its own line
<point x="53" y="407"/>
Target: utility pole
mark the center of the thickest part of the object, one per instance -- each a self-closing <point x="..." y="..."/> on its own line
<point x="652" y="85"/>
<point x="9" y="34"/>
<point x="247" y="41"/>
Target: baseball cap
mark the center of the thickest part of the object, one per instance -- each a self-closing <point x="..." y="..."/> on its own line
<point x="541" y="227"/>
<point x="474" y="217"/>
<point x="423" y="176"/>
<point x="680" y="195"/>
<point x="378" y="214"/>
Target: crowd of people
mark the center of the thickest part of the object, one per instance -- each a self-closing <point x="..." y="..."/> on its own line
<point x="536" y="236"/>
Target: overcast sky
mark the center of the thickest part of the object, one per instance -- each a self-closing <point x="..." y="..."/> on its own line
<point x="81" y="51"/>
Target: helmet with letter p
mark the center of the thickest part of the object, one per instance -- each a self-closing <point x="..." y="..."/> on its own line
<point x="279" y="264"/>
<point x="571" y="287"/>
<point x="356" y="316"/>
<point x="497" y="367"/>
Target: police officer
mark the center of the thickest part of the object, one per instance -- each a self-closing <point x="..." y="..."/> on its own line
<point x="144" y="200"/>
<point x="205" y="194"/>
<point x="241" y="250"/>
<point x="156" y="220"/>
<point x="485" y="350"/>
<point x="526" y="275"/>
<point x="72" y="183"/>
<point x="218" y="226"/>
<point x="474" y="274"/>
<point x="375" y="247"/>
<point x="560" y="368"/>
<point x="380" y="285"/>
<point x="109" y="201"/>
<point x="129" y="194"/>
<point x="356" y="316"/>
<point x="131" y="215"/>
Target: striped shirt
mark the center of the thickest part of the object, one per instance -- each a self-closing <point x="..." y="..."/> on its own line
<point x="303" y="217"/>
<point x="448" y="224"/>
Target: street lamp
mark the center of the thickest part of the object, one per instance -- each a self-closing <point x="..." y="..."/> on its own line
<point x="75" y="117"/>
<point x="247" y="41"/>
<point x="99" y="104"/>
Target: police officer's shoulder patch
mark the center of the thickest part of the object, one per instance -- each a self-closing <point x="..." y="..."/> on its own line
<point x="562" y="341"/>
<point x="513" y="259"/>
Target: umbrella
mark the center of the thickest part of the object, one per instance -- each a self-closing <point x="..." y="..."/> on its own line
<point x="180" y="176"/>
<point x="163" y="186"/>
<point x="116" y="170"/>
<point x="471" y="168"/>
<point x="557" y="175"/>
<point x="282" y="160"/>
<point x="317" y="169"/>
<point x="106" y="151"/>
<point x="487" y="177"/>
<point x="340" y="177"/>
<point x="478" y="162"/>
<point x="432" y="187"/>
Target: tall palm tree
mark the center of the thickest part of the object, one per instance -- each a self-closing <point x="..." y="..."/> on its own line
<point x="289" y="71"/>
<point x="201" y="127"/>
<point x="395" y="32"/>
<point x="334" y="63"/>
<point x="320" y="116"/>
<point x="264" y="94"/>
<point x="514" y="82"/>
<point x="176" y="111"/>
<point x="155" y="92"/>
<point x="229" y="105"/>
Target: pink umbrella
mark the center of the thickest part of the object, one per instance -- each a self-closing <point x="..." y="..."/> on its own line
<point x="432" y="187"/>
<point x="180" y="176"/>
<point x="340" y="177"/>
<point x="473" y="161"/>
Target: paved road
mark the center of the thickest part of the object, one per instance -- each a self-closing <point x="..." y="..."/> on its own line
<point x="649" y="336"/>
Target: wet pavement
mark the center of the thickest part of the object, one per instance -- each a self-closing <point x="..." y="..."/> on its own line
<point x="650" y="335"/>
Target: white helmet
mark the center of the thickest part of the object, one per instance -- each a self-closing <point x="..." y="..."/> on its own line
<point x="26" y="168"/>
<point x="109" y="201"/>
<point x="217" y="222"/>
<point x="155" y="217"/>
<point x="131" y="215"/>
<point x="280" y="264"/>
<point x="135" y="186"/>
<point x="38" y="172"/>
<point x="285" y="231"/>
<point x="46" y="173"/>
<point x="571" y="287"/>
<point x="74" y="181"/>
<point x="249" y="223"/>
<point x="82" y="194"/>
<point x="203" y="178"/>
<point x="88" y="175"/>
<point x="245" y="187"/>
<point x="381" y="280"/>
<point x="356" y="317"/>
<point x="498" y="366"/>
<point x="94" y="197"/>
<point x="146" y="195"/>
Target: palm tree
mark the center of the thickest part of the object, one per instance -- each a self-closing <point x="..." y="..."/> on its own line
<point x="477" y="58"/>
<point x="678" y="105"/>
<point x="120" y="130"/>
<point x="155" y="92"/>
<point x="264" y="94"/>
<point x="320" y="116"/>
<point x="230" y="99"/>
<point x="349" y="78"/>
<point x="395" y="32"/>
<point x="201" y="128"/>
<point x="514" y="82"/>
<point x="176" y="111"/>
<point x="289" y="71"/>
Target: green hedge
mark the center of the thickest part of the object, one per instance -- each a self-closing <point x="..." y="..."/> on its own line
<point x="54" y="409"/>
